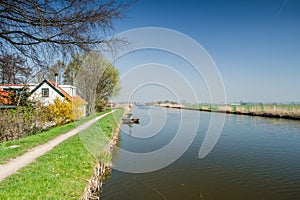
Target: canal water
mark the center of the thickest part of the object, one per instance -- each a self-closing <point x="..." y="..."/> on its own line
<point x="254" y="158"/>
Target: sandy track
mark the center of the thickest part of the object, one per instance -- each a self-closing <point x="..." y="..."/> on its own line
<point x="17" y="163"/>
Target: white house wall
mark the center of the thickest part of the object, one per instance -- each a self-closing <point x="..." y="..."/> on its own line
<point x="71" y="90"/>
<point x="37" y="95"/>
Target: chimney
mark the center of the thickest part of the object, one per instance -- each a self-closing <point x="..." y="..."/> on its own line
<point x="56" y="79"/>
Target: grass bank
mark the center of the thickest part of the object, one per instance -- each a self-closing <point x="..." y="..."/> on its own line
<point x="12" y="149"/>
<point x="63" y="172"/>
<point x="288" y="111"/>
<point x="101" y="148"/>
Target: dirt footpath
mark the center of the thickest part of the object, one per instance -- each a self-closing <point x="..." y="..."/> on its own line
<point x="15" y="164"/>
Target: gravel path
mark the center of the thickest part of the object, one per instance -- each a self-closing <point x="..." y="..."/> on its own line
<point x="17" y="163"/>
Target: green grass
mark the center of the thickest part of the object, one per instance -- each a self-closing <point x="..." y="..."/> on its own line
<point x="60" y="174"/>
<point x="63" y="172"/>
<point x="24" y="144"/>
<point x="97" y="136"/>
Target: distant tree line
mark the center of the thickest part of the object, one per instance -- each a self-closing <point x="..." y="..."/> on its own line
<point x="167" y="101"/>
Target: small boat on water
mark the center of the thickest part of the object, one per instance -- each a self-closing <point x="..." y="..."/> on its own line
<point x="130" y="120"/>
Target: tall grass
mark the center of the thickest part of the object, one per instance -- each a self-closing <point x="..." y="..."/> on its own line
<point x="279" y="110"/>
<point x="268" y="109"/>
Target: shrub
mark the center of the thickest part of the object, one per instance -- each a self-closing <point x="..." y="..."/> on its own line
<point x="78" y="107"/>
<point x="27" y="120"/>
<point x="100" y="106"/>
<point x="17" y="123"/>
<point x="60" y="112"/>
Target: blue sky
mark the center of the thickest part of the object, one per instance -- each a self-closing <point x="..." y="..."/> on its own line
<point x="255" y="45"/>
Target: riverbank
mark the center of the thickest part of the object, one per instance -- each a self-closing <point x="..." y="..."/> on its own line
<point x="62" y="173"/>
<point x="103" y="165"/>
<point x="264" y="110"/>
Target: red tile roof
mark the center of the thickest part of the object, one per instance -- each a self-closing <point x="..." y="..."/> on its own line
<point x="4" y="94"/>
<point x="66" y="95"/>
<point x="9" y="85"/>
<point x="4" y="97"/>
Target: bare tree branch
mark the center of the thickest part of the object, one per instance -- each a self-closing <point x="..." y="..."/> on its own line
<point x="34" y="29"/>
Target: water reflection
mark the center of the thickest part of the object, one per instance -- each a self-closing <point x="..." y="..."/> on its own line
<point x="255" y="158"/>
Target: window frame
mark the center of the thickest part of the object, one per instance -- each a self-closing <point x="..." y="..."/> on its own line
<point x="45" y="92"/>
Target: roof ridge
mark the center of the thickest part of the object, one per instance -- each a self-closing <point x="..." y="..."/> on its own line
<point x="61" y="90"/>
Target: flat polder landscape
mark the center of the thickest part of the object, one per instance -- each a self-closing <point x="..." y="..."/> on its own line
<point x="151" y="100"/>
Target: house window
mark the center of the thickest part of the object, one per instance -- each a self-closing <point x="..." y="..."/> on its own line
<point x="45" y="92"/>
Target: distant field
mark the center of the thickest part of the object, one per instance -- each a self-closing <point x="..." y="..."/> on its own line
<point x="272" y="110"/>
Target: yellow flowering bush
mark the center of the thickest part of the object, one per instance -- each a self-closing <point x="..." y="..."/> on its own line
<point x="60" y="112"/>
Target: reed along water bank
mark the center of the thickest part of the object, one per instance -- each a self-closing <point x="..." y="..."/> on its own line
<point x="286" y="111"/>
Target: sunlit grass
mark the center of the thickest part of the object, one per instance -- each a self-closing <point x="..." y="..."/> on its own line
<point x="97" y="136"/>
<point x="63" y="172"/>
<point x="12" y="149"/>
<point x="60" y="174"/>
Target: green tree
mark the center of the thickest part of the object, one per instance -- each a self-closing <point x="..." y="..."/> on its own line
<point x="108" y="85"/>
<point x="96" y="80"/>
